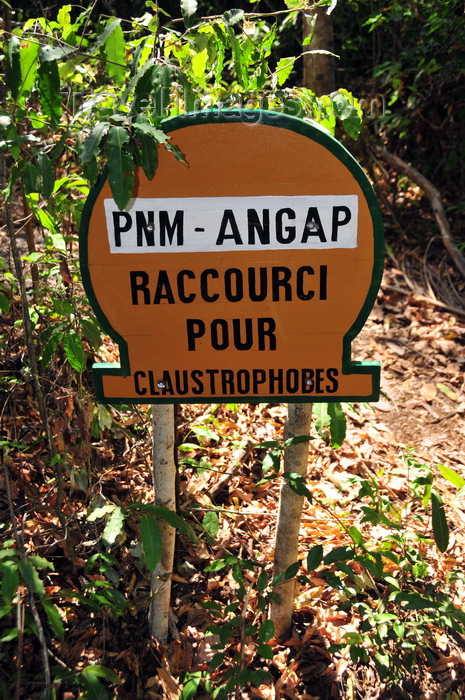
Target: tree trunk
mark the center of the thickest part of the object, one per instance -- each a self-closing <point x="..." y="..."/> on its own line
<point x="164" y="483"/>
<point x="319" y="74"/>
<point x="290" y="509"/>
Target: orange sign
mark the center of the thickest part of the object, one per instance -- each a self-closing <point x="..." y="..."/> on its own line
<point x="243" y="274"/>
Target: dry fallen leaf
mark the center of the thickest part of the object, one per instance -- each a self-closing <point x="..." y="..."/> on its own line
<point x="428" y="391"/>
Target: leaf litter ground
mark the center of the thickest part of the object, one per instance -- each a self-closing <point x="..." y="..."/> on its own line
<point x="422" y="352"/>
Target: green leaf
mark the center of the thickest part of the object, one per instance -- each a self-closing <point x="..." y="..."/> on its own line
<point x="55" y="53"/>
<point x="190" y="687"/>
<point x="9" y="635"/>
<point x="216" y="661"/>
<point x="89" y="148"/>
<point x="447" y="391"/>
<point x="149" y="136"/>
<point x="100" y="512"/>
<point x="4" y="303"/>
<point x="120" y="166"/>
<point x="211" y="523"/>
<point x="452" y="476"/>
<point x="297" y="440"/>
<point x="50" y="347"/>
<point x="382" y="662"/>
<point x="265" y="651"/>
<point x="104" y="417"/>
<point x="30" y="575"/>
<point x="30" y="178"/>
<point x="148" y="155"/>
<point x="101" y="39"/>
<point x="283" y="69"/>
<point x="291" y="571"/>
<point x="28" y="60"/>
<point x="88" y="678"/>
<point x="337" y="425"/>
<point x="353" y="638"/>
<point x="337" y="554"/>
<point x="384" y="617"/>
<point x="49" y="223"/>
<point x="232" y="17"/>
<point x="48" y="84"/>
<point x="314" y="557"/>
<point x="13" y="66"/>
<point x="91" y="332"/>
<point x="356" y="535"/>
<point x="293" y="4"/>
<point x="115" y="52"/>
<point x="320" y="411"/>
<point x="188" y="7"/>
<point x="266" y="631"/>
<point x="413" y="601"/>
<point x="262" y="581"/>
<point x="298" y="484"/>
<point x="199" y="66"/>
<point x="157" y="134"/>
<point x="346" y="107"/>
<point x="10" y="579"/>
<point x="144" y="83"/>
<point x="64" y="17"/>
<point x="47" y="175"/>
<point x="352" y="124"/>
<point x="114" y="527"/>
<point x="74" y="351"/>
<point x="54" y="618"/>
<point x="167" y="515"/>
<point x="272" y="460"/>
<point x="439" y="521"/>
<point x="151" y="541"/>
<point x="239" y="66"/>
<point x="41" y="562"/>
<point x="216" y="565"/>
<point x="374" y="567"/>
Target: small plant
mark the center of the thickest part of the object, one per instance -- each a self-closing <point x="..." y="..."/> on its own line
<point x="21" y="574"/>
<point x="386" y="585"/>
<point x="243" y="633"/>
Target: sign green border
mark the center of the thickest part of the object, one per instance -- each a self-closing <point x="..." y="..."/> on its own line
<point x="282" y="121"/>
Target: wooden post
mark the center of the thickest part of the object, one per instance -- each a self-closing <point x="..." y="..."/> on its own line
<point x="164" y="483"/>
<point x="299" y="416"/>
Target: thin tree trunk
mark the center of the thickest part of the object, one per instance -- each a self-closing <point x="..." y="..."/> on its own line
<point x="299" y="417"/>
<point x="319" y="72"/>
<point x="164" y="482"/>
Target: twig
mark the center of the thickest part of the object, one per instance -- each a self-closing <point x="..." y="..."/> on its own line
<point x="435" y="198"/>
<point x="242" y="636"/>
<point x="43" y="646"/>
<point x="239" y="457"/>
<point x="428" y="300"/>
<point x="20" y="646"/>
<point x="458" y="412"/>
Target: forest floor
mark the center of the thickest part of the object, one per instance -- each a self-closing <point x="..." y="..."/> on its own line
<point x="418" y="421"/>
